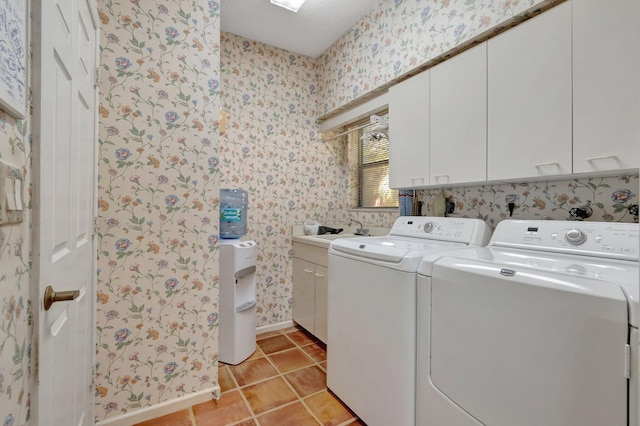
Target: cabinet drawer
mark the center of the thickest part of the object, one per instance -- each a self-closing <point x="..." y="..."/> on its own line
<point x="317" y="255"/>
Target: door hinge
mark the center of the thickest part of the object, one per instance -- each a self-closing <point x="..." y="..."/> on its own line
<point x="627" y="361"/>
<point x="97" y="81"/>
<point x="95" y="225"/>
<point x="92" y="385"/>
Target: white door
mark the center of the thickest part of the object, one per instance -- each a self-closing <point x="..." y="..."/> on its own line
<point x="321" y="299"/>
<point x="65" y="45"/>
<point x="303" y="294"/>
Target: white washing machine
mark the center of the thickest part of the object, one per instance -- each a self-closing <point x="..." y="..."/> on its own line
<point x="371" y="347"/>
<point x="538" y="328"/>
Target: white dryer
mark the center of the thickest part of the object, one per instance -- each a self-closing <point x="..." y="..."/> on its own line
<point x="371" y="347"/>
<point x="538" y="328"/>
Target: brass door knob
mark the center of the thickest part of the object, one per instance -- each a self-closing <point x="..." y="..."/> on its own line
<point x="50" y="296"/>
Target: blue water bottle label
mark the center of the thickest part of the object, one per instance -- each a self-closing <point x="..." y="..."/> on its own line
<point x="230" y="215"/>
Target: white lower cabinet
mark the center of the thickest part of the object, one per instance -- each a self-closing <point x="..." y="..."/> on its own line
<point x="530" y="99"/>
<point x="320" y="281"/>
<point x="304" y="294"/>
<point x="606" y="85"/>
<point x="310" y="289"/>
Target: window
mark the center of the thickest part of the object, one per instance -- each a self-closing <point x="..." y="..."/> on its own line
<point x="369" y="166"/>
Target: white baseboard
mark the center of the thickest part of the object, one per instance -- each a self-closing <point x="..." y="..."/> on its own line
<point x="274" y="327"/>
<point x="183" y="402"/>
<point x="163" y="408"/>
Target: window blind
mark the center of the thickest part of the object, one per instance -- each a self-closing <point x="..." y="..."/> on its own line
<point x="369" y="167"/>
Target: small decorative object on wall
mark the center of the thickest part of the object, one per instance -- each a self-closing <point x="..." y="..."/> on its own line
<point x="13" y="57"/>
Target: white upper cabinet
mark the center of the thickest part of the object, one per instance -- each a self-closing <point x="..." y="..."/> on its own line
<point x="409" y="132"/>
<point x="606" y="85"/>
<point x="555" y="95"/>
<point x="529" y="98"/>
<point x="459" y="118"/>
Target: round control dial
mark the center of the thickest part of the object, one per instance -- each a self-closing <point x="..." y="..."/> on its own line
<point x="575" y="237"/>
<point x="429" y="227"/>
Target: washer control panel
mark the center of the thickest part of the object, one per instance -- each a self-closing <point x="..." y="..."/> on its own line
<point x="603" y="239"/>
<point x="469" y="231"/>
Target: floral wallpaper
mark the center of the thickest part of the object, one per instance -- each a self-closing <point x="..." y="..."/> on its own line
<point x="400" y="36"/>
<point x="157" y="295"/>
<point x="605" y="199"/>
<point x="161" y="164"/>
<point x="17" y="336"/>
<point x="272" y="149"/>
<point x="17" y="331"/>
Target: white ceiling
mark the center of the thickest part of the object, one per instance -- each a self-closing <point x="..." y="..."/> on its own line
<point x="310" y="31"/>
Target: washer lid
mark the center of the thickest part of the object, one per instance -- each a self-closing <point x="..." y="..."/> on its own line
<point x="623" y="274"/>
<point x="388" y="248"/>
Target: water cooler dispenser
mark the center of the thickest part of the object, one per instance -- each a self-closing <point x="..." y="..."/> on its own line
<point x="237" y="281"/>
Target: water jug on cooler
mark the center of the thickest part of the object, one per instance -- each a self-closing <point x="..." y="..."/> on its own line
<point x="237" y="280"/>
<point x="233" y="213"/>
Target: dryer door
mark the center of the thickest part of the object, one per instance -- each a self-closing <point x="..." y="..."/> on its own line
<point x="528" y="348"/>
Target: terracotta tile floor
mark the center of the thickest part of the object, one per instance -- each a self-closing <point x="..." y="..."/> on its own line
<point x="282" y="384"/>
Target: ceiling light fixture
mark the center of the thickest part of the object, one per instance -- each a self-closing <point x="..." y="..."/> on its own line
<point x="292" y="5"/>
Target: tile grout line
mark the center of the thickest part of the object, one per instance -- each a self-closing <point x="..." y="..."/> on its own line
<point x="254" y="416"/>
<point x="238" y="388"/>
<point x="192" y="416"/>
<point x="299" y="398"/>
<point x="265" y="355"/>
<point x="317" y="364"/>
<point x="299" y="344"/>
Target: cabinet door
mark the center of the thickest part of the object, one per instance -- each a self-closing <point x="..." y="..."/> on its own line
<point x="304" y="294"/>
<point x="529" y="98"/>
<point x="458" y="143"/>
<point x="321" y="303"/>
<point x="606" y="85"/>
<point x="409" y="132"/>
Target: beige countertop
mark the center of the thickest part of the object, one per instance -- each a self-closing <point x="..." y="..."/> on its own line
<point x="324" y="240"/>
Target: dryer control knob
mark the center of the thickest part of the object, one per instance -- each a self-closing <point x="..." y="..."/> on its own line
<point x="575" y="237"/>
<point x="428" y="227"/>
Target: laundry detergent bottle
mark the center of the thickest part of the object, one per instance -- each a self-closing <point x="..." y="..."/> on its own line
<point x="234" y="204"/>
